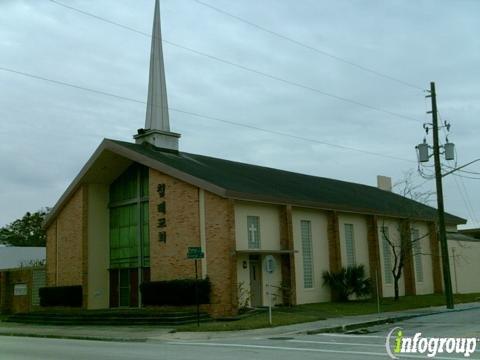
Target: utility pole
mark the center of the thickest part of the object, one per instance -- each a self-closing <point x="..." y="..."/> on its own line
<point x="441" y="212"/>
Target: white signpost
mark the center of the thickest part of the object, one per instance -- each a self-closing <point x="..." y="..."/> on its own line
<point x="270" y="264"/>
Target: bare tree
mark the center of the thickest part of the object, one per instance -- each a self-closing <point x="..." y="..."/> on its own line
<point x="403" y="251"/>
<point x="408" y="246"/>
<point x="407" y="187"/>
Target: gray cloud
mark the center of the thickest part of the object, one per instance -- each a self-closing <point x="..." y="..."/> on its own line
<point x="47" y="131"/>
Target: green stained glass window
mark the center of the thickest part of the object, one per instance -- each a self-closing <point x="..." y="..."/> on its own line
<point x="126" y="186"/>
<point x="129" y="219"/>
<point x="144" y="181"/>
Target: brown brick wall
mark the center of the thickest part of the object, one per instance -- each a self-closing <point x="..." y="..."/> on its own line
<point x="51" y="252"/>
<point x="436" y="264"/>
<point x="67" y="244"/>
<point x="221" y="255"/>
<point x="374" y="255"/>
<point x="168" y="260"/>
<point x="3" y="291"/>
<point x="288" y="261"/>
<point x="71" y="233"/>
<point x="334" y="241"/>
<point x="19" y="303"/>
<point x="334" y="251"/>
<point x="84" y="244"/>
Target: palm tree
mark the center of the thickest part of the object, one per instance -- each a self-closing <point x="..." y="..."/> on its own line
<point x="348" y="281"/>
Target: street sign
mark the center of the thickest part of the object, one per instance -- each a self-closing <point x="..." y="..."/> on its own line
<point x="195" y="252"/>
<point x="270" y="264"/>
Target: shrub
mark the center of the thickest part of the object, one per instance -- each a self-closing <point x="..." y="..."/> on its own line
<point x="175" y="292"/>
<point x="348" y="281"/>
<point x="70" y="296"/>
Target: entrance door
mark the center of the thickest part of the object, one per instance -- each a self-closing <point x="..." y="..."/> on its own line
<point x="255" y="281"/>
<point x="124" y="285"/>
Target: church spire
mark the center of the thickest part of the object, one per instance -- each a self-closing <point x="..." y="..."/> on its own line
<point x="157" y="126"/>
<point x="157" y="106"/>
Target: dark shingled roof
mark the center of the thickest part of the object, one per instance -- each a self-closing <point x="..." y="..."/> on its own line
<point x="245" y="181"/>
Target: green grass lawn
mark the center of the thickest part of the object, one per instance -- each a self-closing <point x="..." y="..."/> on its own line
<point x="320" y="311"/>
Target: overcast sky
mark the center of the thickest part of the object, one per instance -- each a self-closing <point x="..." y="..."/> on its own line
<point x="48" y="131"/>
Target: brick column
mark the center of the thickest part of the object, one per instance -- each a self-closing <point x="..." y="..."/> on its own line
<point x="232" y="309"/>
<point x="374" y="255"/>
<point x="3" y="291"/>
<point x="334" y="242"/>
<point x="8" y="287"/>
<point x="288" y="260"/>
<point x="85" y="245"/>
<point x="221" y="254"/>
<point x="436" y="265"/>
<point x="334" y="254"/>
<point x="51" y="253"/>
<point x="408" y="267"/>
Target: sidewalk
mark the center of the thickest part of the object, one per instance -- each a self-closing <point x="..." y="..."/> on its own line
<point x="87" y="332"/>
<point x="153" y="333"/>
<point x="338" y="324"/>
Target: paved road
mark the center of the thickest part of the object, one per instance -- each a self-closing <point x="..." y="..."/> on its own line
<point x="323" y="346"/>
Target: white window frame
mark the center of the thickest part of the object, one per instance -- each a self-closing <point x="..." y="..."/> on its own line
<point x="350" y="255"/>
<point x="253" y="243"/>
<point x="307" y="253"/>
<point x="387" y="255"/>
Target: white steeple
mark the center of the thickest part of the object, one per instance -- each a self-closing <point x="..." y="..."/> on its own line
<point x="157" y="126"/>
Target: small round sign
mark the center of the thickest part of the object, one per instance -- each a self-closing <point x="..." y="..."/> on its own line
<point x="270" y="264"/>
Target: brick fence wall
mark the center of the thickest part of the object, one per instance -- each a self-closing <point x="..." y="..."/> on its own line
<point x="11" y="303"/>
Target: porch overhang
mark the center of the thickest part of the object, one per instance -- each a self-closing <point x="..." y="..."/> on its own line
<point x="265" y="252"/>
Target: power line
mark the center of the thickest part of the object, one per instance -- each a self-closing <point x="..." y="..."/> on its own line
<point x="126" y="27"/>
<point x="191" y="113"/>
<point x="462" y="171"/>
<point x="457" y="172"/>
<point x="466" y="177"/>
<point x="466" y="200"/>
<point x="292" y="136"/>
<point x="468" y="172"/>
<point x="306" y="46"/>
<point x="474" y="218"/>
<point x="461" y="189"/>
<point x="79" y="87"/>
<point x="243" y="67"/>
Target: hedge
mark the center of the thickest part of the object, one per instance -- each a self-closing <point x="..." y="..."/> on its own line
<point x="71" y="296"/>
<point x="175" y="292"/>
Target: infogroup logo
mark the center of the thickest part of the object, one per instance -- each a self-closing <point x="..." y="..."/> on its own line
<point x="431" y="346"/>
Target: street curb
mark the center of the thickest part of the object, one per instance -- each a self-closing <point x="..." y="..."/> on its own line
<point x="74" y="337"/>
<point x="354" y="326"/>
<point x="389" y="320"/>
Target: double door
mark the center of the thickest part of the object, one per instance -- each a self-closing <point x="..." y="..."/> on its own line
<point x="124" y="286"/>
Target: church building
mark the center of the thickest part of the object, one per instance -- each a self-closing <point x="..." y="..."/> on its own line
<point x="135" y="208"/>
